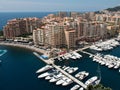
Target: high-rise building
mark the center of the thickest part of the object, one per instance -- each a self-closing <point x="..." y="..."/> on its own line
<point x="55" y="35"/>
<point x="17" y="27"/>
<point x="39" y="36"/>
<point x="91" y="30"/>
<point x="70" y="38"/>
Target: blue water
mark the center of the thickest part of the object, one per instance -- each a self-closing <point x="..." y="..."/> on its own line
<point x="5" y="16"/>
<point x="17" y="71"/>
<point x="18" y="67"/>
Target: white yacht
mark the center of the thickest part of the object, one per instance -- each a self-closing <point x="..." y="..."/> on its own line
<point x="60" y="82"/>
<point x="72" y="70"/>
<point x="48" y="77"/>
<point x="78" y="74"/>
<point x="45" y="68"/>
<point x="81" y="88"/>
<point x="67" y="82"/>
<point x="75" y="87"/>
<point x="83" y="75"/>
<point x="66" y="68"/>
<point x="91" y="80"/>
<point x="77" y="55"/>
<point x="56" y="77"/>
<point x="44" y="75"/>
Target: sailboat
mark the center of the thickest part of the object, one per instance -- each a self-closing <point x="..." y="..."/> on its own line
<point x="99" y="75"/>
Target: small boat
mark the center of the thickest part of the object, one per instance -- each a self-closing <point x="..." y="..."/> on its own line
<point x="60" y="82"/>
<point x="48" y="77"/>
<point x="45" y="68"/>
<point x="54" y="79"/>
<point x="44" y="75"/>
<point x="75" y="87"/>
<point x="67" y="82"/>
<point x="91" y="80"/>
<point x="81" y="88"/>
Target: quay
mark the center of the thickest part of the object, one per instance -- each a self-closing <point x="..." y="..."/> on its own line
<point x="49" y="61"/>
<point x="23" y="46"/>
<point x="81" y="49"/>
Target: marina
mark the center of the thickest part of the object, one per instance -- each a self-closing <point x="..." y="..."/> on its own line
<point x="67" y="71"/>
<point x="84" y="64"/>
<point x="62" y="71"/>
<point x="105" y="45"/>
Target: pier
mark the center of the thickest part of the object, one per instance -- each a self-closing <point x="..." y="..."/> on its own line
<point x="70" y="76"/>
<point x="81" y="49"/>
<point x="45" y="61"/>
<point x="62" y="71"/>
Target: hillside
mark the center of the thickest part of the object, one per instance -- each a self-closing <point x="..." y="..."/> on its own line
<point x="117" y="8"/>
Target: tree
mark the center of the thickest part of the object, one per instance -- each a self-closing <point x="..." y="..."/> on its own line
<point x="1" y="33"/>
<point x="98" y="87"/>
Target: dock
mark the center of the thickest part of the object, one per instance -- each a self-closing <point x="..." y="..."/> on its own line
<point x="81" y="49"/>
<point x="70" y="76"/>
<point x="49" y="61"/>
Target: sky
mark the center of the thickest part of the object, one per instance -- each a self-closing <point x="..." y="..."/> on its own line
<point x="55" y="5"/>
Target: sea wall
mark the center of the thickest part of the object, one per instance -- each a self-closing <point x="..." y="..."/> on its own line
<point x="24" y="46"/>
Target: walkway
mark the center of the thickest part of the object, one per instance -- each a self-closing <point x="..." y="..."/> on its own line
<point x="71" y="77"/>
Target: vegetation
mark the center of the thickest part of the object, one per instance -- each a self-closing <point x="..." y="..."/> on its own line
<point x="1" y="33"/>
<point x="98" y="87"/>
<point x="117" y="8"/>
<point x="25" y="35"/>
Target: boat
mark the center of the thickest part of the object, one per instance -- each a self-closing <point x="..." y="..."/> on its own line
<point x="78" y="74"/>
<point x="72" y="70"/>
<point x="91" y="80"/>
<point x="48" y="77"/>
<point x="66" y="68"/>
<point x="60" y="82"/>
<point x="45" y="68"/>
<point x="77" y="55"/>
<point x="44" y="75"/>
<point x="81" y="88"/>
<point x="54" y="79"/>
<point x="75" y="87"/>
<point x="83" y="75"/>
<point x="67" y="82"/>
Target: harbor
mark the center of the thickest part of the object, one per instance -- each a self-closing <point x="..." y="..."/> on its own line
<point x="31" y="64"/>
<point x="76" y="55"/>
<point x="62" y="71"/>
<point x="107" y="60"/>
